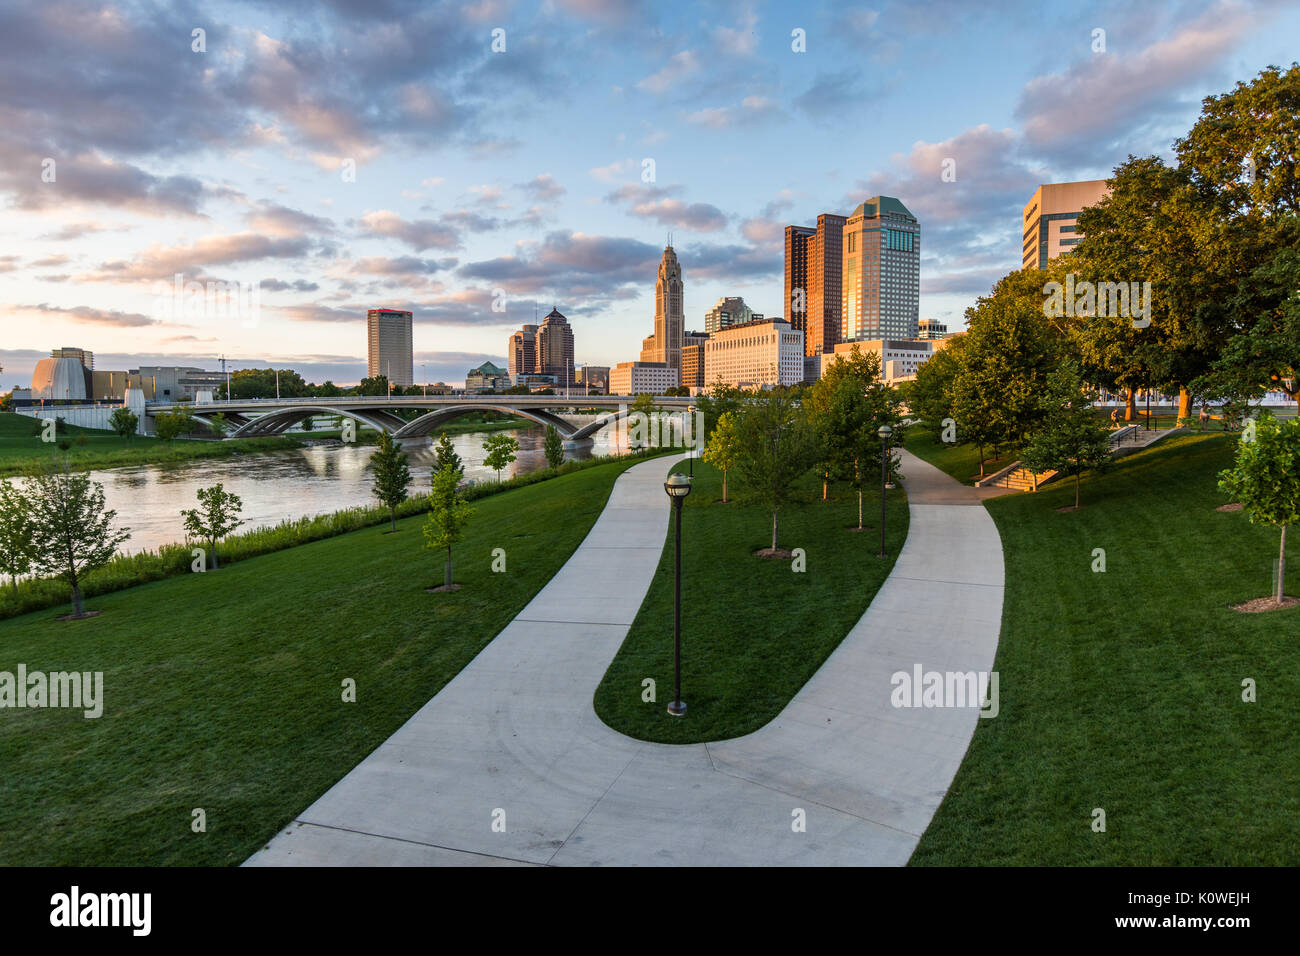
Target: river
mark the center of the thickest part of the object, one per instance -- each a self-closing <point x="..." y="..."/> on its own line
<point x="314" y="480"/>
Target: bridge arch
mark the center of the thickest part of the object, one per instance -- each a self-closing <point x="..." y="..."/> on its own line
<point x="279" y="420"/>
<point x="427" y="423"/>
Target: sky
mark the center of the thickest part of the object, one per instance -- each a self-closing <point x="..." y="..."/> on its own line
<point x="480" y="163"/>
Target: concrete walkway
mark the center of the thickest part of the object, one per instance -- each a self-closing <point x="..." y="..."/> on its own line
<point x="514" y="735"/>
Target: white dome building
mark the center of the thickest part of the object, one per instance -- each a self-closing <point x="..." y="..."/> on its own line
<point x="60" y="379"/>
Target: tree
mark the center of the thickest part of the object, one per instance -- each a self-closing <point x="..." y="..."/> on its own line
<point x="500" y="452"/>
<point x="847" y="405"/>
<point x="777" y="447"/>
<point x="553" y="447"/>
<point x="391" y="473"/>
<point x="15" y="533"/>
<point x="72" y="530"/>
<point x="1072" y="439"/>
<point x="374" y="386"/>
<point x="719" y="400"/>
<point x="1245" y="144"/>
<point x="215" y="518"/>
<point x="447" y="457"/>
<point x="218" y="424"/>
<point x="449" y="513"/>
<point x="930" y="394"/>
<point x="1265" y="478"/>
<point x="723" y="449"/>
<point x="124" y="422"/>
<point x="170" y="425"/>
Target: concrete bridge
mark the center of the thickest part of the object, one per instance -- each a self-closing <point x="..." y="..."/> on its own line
<point x="272" y="416"/>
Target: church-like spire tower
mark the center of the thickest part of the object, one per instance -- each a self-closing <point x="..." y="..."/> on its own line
<point x="670" y="318"/>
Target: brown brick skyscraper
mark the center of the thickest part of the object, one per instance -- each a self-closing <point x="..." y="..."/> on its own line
<point x="813" y="263"/>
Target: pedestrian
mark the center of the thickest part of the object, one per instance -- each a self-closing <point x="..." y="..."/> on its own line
<point x="1205" y="416"/>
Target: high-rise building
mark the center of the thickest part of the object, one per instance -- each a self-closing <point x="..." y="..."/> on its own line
<point x="796" y="275"/>
<point x="487" y="376"/>
<point x="388" y="333"/>
<point x="555" y="348"/>
<point x="765" y="352"/>
<point x="812" y="280"/>
<point x="1051" y="219"/>
<point x="670" y="319"/>
<point x="931" y="329"/>
<point x="522" y="353"/>
<point x="729" y="310"/>
<point x="881" y="276"/>
<point x="594" y="377"/>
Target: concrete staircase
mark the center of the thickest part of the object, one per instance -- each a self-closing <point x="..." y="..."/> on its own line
<point x="1124" y="440"/>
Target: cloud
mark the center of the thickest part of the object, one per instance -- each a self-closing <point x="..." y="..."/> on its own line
<point x="751" y="110"/>
<point x="542" y="188"/>
<point x="299" y="285"/>
<point x="833" y="94"/>
<point x="419" y="234"/>
<point x="163" y="262"/>
<point x="87" y="315"/>
<point x="679" y="67"/>
<point x="1097" y="107"/>
<point x="280" y="220"/>
<point x="655" y="202"/>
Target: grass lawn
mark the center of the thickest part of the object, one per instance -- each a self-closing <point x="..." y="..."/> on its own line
<point x="958" y="461"/>
<point x="753" y="630"/>
<point x="223" y="690"/>
<point x="20" y="446"/>
<point x="1123" y="690"/>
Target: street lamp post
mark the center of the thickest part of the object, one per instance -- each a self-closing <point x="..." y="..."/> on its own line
<point x="678" y="487"/>
<point x="690" y="418"/>
<point x="884" y="431"/>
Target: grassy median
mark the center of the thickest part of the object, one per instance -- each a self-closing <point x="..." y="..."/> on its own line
<point x="223" y="691"/>
<point x="1122" y="690"/>
<point x="753" y="629"/>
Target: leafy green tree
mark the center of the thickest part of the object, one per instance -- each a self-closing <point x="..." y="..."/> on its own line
<point x="715" y="403"/>
<point x="124" y="422"/>
<point x="553" y="447"/>
<point x="15" y="533"/>
<point x="447" y="457"/>
<point x="449" y="514"/>
<point x="847" y="405"/>
<point x="1246" y="142"/>
<point x="1071" y="439"/>
<point x="723" y="449"/>
<point x="215" y="518"/>
<point x="777" y="447"/>
<point x="392" y="475"/>
<point x="500" y="452"/>
<point x="378" y="385"/>
<point x="218" y="424"/>
<point x="1265" y="478"/>
<point x="930" y="395"/>
<point x="168" y="426"/>
<point x="72" y="530"/>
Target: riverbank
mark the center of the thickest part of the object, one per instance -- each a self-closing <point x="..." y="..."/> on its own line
<point x="22" y="451"/>
<point x="173" y="559"/>
<point x="236" y="679"/>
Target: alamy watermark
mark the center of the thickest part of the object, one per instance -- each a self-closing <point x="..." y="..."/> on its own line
<point x="919" y="688"/>
<point x="192" y="300"/>
<point x="36" y="689"/>
<point x="1104" y="299"/>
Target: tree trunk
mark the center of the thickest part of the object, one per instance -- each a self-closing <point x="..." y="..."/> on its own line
<point x="981" y="451"/>
<point x="1281" y="565"/>
<point x="773" y="529"/>
<point x="213" y="544"/>
<point x="825" y="479"/>
<point x="1130" y="404"/>
<point x="724" y="486"/>
<point x="78" y="608"/>
<point x="859" y="508"/>
<point x="446" y="577"/>
<point x="857" y="476"/>
<point x="1076" y="488"/>
<point x="392" y="513"/>
<point x="1184" y="404"/>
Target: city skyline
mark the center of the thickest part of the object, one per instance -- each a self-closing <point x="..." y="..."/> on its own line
<point x="255" y="193"/>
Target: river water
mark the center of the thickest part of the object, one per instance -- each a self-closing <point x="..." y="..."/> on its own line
<point x="306" y="481"/>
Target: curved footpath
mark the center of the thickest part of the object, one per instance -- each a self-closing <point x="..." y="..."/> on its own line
<point x="514" y="736"/>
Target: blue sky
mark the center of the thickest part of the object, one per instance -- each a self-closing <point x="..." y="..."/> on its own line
<point x="517" y="176"/>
